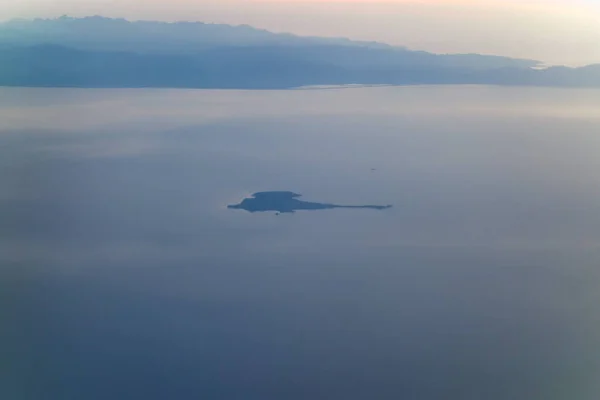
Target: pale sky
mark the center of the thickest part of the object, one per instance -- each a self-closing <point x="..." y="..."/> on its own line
<point x="554" y="31"/>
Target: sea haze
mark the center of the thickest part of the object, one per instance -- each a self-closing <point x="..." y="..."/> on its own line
<point x="125" y="275"/>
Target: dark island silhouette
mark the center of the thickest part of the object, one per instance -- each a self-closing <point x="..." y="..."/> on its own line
<point x="287" y="202"/>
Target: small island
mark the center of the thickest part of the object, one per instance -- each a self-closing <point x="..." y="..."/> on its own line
<point x="288" y="202"/>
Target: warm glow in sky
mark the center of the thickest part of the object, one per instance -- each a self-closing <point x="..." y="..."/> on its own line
<point x="556" y="31"/>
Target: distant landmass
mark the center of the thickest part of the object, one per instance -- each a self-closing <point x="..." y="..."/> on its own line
<point x="104" y="52"/>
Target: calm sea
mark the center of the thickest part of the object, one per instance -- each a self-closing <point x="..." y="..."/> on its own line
<point x="123" y="274"/>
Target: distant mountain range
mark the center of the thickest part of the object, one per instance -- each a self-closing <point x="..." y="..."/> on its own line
<point x="103" y="52"/>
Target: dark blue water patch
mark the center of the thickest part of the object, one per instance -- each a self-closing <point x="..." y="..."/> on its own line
<point x="288" y="202"/>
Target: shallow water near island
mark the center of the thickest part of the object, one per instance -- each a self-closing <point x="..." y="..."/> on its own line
<point x="125" y="274"/>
